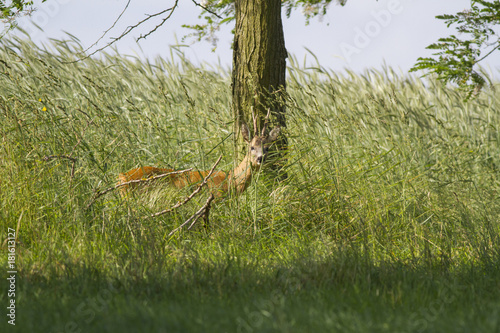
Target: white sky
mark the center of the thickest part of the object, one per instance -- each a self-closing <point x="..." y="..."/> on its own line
<point x="362" y="34"/>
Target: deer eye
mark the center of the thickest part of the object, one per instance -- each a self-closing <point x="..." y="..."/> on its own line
<point x="252" y="148"/>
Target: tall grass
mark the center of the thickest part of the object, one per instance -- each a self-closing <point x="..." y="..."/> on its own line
<point x="391" y="201"/>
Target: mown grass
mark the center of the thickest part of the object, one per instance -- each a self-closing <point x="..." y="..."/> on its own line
<point x="388" y="220"/>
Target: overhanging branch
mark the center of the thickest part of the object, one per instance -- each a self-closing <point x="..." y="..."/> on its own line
<point x="127" y="31"/>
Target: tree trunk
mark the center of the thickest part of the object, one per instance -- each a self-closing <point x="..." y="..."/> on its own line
<point x="259" y="64"/>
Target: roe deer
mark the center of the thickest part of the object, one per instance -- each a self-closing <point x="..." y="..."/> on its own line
<point x="219" y="182"/>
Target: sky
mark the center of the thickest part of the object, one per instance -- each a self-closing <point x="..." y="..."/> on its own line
<point x="363" y="34"/>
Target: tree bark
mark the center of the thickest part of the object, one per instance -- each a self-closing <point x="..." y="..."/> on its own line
<point x="259" y="64"/>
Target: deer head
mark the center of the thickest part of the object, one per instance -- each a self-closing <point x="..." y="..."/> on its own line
<point x="257" y="146"/>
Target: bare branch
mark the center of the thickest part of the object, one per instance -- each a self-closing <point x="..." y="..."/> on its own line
<point x="496" y="48"/>
<point x="127" y="31"/>
<point x="207" y="10"/>
<point x="160" y="24"/>
<point x="195" y="216"/>
<point x="204" y="210"/>
<point x="106" y="32"/>
<point x="196" y="191"/>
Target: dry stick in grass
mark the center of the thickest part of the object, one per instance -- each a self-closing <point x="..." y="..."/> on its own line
<point x="100" y="194"/>
<point x="198" y="189"/>
<point x="203" y="210"/>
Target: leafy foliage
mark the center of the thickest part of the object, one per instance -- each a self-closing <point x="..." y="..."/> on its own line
<point x="457" y="57"/>
<point x="219" y="12"/>
<point x="10" y="11"/>
<point x="15" y="7"/>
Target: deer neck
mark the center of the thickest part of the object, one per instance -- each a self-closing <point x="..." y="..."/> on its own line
<point x="241" y="176"/>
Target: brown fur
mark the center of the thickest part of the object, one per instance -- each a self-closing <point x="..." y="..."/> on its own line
<point x="219" y="182"/>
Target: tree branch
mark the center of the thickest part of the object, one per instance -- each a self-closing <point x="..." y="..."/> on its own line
<point x="106" y="32"/>
<point x="161" y="23"/>
<point x="127" y="31"/>
<point x="196" y="191"/>
<point x="207" y="10"/>
<point x="195" y="216"/>
<point x="496" y="48"/>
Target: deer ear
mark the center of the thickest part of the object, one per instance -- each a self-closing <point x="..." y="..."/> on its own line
<point x="245" y="132"/>
<point x="273" y="135"/>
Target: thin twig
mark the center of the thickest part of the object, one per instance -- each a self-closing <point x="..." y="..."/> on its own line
<point x="160" y="24"/>
<point x="207" y="10"/>
<point x="493" y="50"/>
<point x="106" y="32"/>
<point x="135" y="181"/>
<point x="204" y="210"/>
<point x="125" y="32"/>
<point x="195" y="216"/>
<point x="198" y="189"/>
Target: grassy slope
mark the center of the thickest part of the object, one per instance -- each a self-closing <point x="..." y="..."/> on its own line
<point x="388" y="221"/>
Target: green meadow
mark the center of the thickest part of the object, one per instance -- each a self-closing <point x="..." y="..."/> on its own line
<point x="387" y="221"/>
